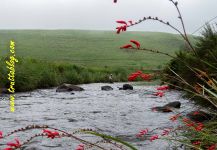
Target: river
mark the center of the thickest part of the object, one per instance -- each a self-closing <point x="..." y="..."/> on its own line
<point x="117" y="113"/>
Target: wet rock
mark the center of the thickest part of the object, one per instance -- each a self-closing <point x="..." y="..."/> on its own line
<point x="199" y="116"/>
<point x="126" y="87"/>
<point x="175" y="104"/>
<point x="106" y="88"/>
<point x="168" y="107"/>
<point x="72" y="120"/>
<point x="96" y="112"/>
<point x="68" y="88"/>
<point x="162" y="109"/>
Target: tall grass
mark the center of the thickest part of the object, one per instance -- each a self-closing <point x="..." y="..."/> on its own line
<point x="199" y="72"/>
<point x="32" y="74"/>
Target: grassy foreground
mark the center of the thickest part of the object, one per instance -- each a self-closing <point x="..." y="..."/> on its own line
<point x="50" y="57"/>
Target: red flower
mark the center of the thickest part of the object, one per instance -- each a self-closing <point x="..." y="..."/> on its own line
<point x="146" y="77"/>
<point x="1" y="134"/>
<point x="142" y="133"/>
<point x="199" y="127"/>
<point x="190" y="124"/>
<point x="51" y="134"/>
<point x="175" y="117"/>
<point x="212" y="147"/>
<point x="80" y="147"/>
<point x="8" y="148"/>
<point x="121" y="28"/>
<point x="160" y="94"/>
<point x="196" y="113"/>
<point x="136" y="43"/>
<point x="186" y="120"/>
<point x="165" y="132"/>
<point x="154" y="137"/>
<point x="162" y="88"/>
<point x="127" y="46"/>
<point x="196" y="143"/>
<point x="16" y="144"/>
<point x="122" y="22"/>
<point x="133" y="76"/>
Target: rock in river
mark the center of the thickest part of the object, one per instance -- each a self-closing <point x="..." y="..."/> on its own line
<point x="68" y="88"/>
<point x="168" y="107"/>
<point x="106" y="88"/>
<point x="175" y="104"/>
<point x="126" y="87"/>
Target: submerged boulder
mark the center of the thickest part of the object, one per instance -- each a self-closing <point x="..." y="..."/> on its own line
<point x="162" y="109"/>
<point x="199" y="116"/>
<point x="106" y="88"/>
<point x="168" y="107"/>
<point x="68" y="88"/>
<point x="126" y="87"/>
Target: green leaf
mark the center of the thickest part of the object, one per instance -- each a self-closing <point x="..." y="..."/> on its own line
<point x="104" y="136"/>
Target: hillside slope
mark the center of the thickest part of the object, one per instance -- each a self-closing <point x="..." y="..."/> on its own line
<point x="91" y="48"/>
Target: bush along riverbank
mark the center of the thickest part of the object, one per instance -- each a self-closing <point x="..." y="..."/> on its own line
<point x="33" y="74"/>
<point x="194" y="71"/>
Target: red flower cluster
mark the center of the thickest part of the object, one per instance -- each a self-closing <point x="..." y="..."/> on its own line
<point x="8" y="148"/>
<point x="123" y="26"/>
<point x="136" y="43"/>
<point x="197" y="126"/>
<point x="134" y="76"/>
<point x="159" y="93"/>
<point x="165" y="132"/>
<point x="80" y="147"/>
<point x="160" y="89"/>
<point x="146" y="77"/>
<point x="142" y="133"/>
<point x="154" y="137"/>
<point x="51" y="134"/>
<point x="196" y="143"/>
<point x="1" y="134"/>
<point x="13" y="145"/>
<point x="212" y="147"/>
<point x="163" y="88"/>
<point x="127" y="46"/>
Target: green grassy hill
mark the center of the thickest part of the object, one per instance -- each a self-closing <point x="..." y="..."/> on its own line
<point x="91" y="48"/>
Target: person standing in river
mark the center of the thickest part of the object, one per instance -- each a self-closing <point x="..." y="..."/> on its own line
<point x="110" y="78"/>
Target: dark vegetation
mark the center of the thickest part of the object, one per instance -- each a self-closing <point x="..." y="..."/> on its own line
<point x="197" y="68"/>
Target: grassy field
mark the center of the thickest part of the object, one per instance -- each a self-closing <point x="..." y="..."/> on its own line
<point x="91" y="48"/>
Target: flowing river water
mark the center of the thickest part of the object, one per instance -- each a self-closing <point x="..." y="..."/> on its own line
<point x="117" y="113"/>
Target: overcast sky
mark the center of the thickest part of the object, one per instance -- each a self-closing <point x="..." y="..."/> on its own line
<point x="102" y="14"/>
